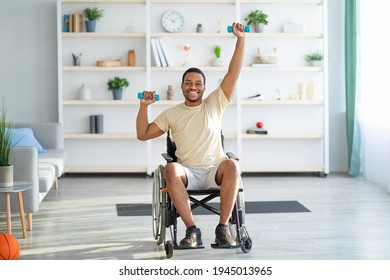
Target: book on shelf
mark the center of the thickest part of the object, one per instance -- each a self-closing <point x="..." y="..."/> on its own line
<point x="160" y="53"/>
<point x="165" y="51"/>
<point x="156" y="57"/>
<point x="257" y="131"/>
<point x="73" y="23"/>
<point x="65" y="27"/>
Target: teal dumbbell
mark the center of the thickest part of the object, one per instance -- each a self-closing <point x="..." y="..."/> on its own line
<point x="246" y="29"/>
<point x="141" y="95"/>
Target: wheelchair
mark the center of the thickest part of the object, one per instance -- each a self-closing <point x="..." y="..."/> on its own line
<point x="165" y="215"/>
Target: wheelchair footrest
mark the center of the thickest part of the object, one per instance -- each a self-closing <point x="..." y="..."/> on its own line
<point x="215" y="246"/>
<point x="178" y="247"/>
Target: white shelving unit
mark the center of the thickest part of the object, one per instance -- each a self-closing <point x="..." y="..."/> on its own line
<point x="297" y="139"/>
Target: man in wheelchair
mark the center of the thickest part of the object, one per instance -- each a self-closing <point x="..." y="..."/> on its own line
<point x="195" y="126"/>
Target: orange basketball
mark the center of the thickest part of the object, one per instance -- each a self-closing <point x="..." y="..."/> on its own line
<point x="9" y="247"/>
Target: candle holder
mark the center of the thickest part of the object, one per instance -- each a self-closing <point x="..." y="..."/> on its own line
<point x="186" y="48"/>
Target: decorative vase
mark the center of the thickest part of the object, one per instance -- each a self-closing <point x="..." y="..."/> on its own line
<point x="85" y="93"/>
<point x="199" y="28"/>
<point x="259" y="27"/>
<point x="317" y="63"/>
<point x="117" y="94"/>
<point x="6" y="176"/>
<point x="170" y="93"/>
<point x="217" y="62"/>
<point x="90" y="25"/>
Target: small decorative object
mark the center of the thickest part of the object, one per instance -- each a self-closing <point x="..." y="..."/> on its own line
<point x="92" y="14"/>
<point x="217" y="60"/>
<point x="315" y="59"/>
<point x="130" y="27"/>
<point x="186" y="49"/>
<point x="266" y="58"/>
<point x="219" y="26"/>
<point x="6" y="169"/>
<point x="292" y="27"/>
<point x="170" y="93"/>
<point x="311" y="91"/>
<point x="76" y="59"/>
<point x="99" y="123"/>
<point x="117" y="85"/>
<point x="116" y="62"/>
<point x="302" y="91"/>
<point x="85" y="93"/>
<point x="199" y="28"/>
<point x="172" y="21"/>
<point x="96" y="124"/>
<point x="258" y="18"/>
<point x="131" y="58"/>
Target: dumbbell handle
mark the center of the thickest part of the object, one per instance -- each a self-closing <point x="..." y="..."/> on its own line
<point x="246" y="29"/>
<point x="141" y="95"/>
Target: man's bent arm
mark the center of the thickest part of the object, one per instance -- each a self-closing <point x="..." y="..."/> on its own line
<point x="146" y="131"/>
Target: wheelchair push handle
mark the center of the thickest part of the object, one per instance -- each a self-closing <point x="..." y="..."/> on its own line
<point x="141" y="95"/>
<point x="246" y="29"/>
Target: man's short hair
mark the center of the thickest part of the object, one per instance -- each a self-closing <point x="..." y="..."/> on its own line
<point x="196" y="70"/>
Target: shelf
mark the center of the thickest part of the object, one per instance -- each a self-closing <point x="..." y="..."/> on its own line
<point x="283" y="168"/>
<point x="105" y="1"/>
<point x="103" y="35"/>
<point x="100" y="102"/>
<point x="98" y="69"/>
<point x="316" y="2"/>
<point x="282" y="69"/>
<point x="100" y="136"/>
<point x="105" y="169"/>
<point x="283" y="135"/>
<point x="281" y="102"/>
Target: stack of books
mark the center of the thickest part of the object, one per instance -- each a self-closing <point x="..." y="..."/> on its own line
<point x="73" y="23"/>
<point x="257" y="131"/>
<point x="160" y="53"/>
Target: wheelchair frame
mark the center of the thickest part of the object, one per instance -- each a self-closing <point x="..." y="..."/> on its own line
<point x="164" y="213"/>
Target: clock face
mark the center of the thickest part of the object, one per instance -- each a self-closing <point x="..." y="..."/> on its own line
<point x="172" y="21"/>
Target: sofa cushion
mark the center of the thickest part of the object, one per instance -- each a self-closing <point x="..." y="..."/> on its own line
<point x="24" y="137"/>
<point x="56" y="157"/>
<point x="47" y="176"/>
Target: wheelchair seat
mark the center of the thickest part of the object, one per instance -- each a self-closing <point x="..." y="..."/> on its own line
<point x="165" y="215"/>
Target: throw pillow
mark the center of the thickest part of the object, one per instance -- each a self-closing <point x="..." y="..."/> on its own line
<point x="24" y="136"/>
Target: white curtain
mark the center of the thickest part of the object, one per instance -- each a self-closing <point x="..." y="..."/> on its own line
<point x="373" y="83"/>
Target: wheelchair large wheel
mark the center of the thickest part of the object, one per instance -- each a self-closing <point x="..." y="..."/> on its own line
<point x="159" y="205"/>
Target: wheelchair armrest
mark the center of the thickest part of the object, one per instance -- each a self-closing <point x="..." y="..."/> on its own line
<point x="167" y="157"/>
<point x="233" y="156"/>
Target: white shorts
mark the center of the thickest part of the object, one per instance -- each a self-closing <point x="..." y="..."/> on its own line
<point x="201" y="178"/>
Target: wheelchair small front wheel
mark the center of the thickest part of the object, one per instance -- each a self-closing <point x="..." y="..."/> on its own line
<point x="246" y="245"/>
<point x="169" y="249"/>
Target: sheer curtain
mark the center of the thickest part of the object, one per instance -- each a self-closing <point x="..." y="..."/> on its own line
<point x="373" y="88"/>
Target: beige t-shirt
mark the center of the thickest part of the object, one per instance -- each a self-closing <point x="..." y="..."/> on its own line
<point x="196" y="130"/>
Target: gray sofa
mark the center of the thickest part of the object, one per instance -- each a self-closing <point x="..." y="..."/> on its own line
<point x="41" y="169"/>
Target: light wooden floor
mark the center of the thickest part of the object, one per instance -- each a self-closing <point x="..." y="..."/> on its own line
<point x="349" y="219"/>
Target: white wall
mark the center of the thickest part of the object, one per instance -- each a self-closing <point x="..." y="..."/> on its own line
<point x="28" y="67"/>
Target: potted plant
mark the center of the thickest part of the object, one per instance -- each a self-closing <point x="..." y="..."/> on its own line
<point x="258" y="18"/>
<point x="217" y="60"/>
<point x="315" y="59"/>
<point x="117" y="85"/>
<point x="199" y="28"/>
<point x="92" y="14"/>
<point x="6" y="169"/>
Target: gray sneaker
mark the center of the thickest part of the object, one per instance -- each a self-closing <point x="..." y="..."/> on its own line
<point x="192" y="239"/>
<point x="223" y="237"/>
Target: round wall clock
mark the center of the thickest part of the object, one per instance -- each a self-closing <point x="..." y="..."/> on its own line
<point x="172" y="21"/>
